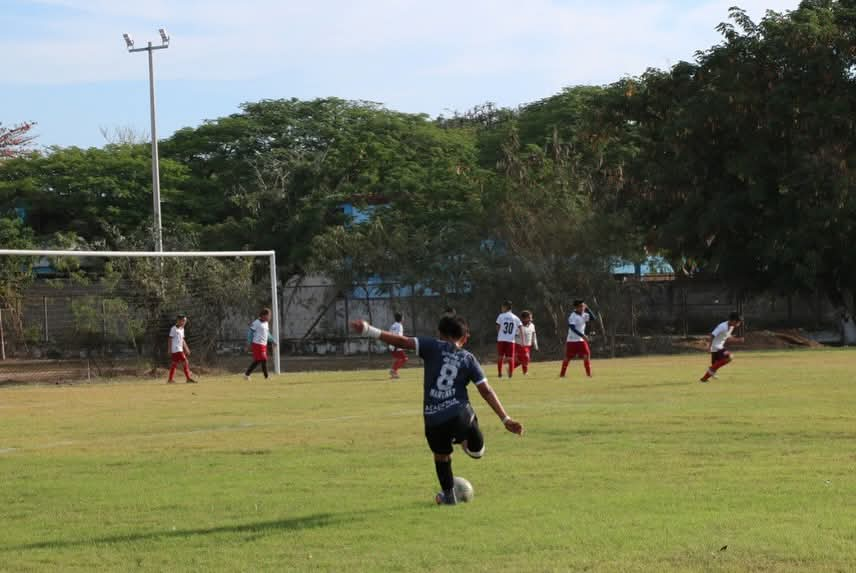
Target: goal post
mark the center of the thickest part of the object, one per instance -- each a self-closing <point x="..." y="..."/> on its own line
<point x="14" y="266"/>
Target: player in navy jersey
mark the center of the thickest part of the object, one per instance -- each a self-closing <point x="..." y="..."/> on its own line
<point x="448" y="414"/>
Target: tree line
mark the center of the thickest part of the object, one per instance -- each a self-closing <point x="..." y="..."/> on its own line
<point x="736" y="165"/>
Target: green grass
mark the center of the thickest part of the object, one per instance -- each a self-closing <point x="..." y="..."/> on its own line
<point x="640" y="469"/>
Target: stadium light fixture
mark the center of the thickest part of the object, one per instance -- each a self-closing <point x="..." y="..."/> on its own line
<point x="158" y="231"/>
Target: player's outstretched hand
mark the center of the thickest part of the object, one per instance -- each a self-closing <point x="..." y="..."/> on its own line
<point x="358" y="325"/>
<point x="514" y="427"/>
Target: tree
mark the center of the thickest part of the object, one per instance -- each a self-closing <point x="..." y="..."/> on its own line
<point x="14" y="140"/>
<point x="278" y="173"/>
<point x="102" y="196"/>
<point x="16" y="273"/>
<point x="745" y="167"/>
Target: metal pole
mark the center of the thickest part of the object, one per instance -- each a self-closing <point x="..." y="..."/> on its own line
<point x="2" y="338"/>
<point x="45" y="309"/>
<point x="274" y="306"/>
<point x="347" y="324"/>
<point x="155" y="163"/>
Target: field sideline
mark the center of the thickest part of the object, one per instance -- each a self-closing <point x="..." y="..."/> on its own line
<point x="640" y="469"/>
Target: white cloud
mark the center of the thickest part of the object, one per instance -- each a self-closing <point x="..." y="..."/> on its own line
<point x="566" y="41"/>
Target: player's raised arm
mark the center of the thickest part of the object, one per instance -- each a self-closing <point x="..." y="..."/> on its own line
<point x="363" y="327"/>
<point x="491" y="398"/>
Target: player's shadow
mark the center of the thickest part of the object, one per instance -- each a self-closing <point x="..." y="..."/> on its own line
<point x="258" y="528"/>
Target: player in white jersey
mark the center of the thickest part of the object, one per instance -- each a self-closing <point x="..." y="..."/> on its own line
<point x="178" y="350"/>
<point x="577" y="341"/>
<point x="259" y="336"/>
<point x="527" y="339"/>
<point x="507" y="324"/>
<point x="719" y="356"/>
<point x="398" y="354"/>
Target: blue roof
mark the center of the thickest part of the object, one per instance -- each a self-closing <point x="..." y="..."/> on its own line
<point x="653" y="265"/>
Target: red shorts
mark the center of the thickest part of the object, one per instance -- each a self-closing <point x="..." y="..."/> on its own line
<point x="179" y="357"/>
<point x="580" y="348"/>
<point x="505" y="349"/>
<point x="523" y="353"/>
<point x="260" y="352"/>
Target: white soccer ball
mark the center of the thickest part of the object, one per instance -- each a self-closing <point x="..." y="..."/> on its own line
<point x="463" y="490"/>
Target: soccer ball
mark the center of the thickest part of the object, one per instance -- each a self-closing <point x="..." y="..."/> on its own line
<point x="463" y="490"/>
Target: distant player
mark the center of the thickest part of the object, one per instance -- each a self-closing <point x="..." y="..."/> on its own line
<point x="258" y="337"/>
<point x="577" y="341"/>
<point x="526" y="340"/>
<point x="719" y="356"/>
<point x="178" y="350"/>
<point x="449" y="416"/>
<point x="399" y="356"/>
<point x="507" y="324"/>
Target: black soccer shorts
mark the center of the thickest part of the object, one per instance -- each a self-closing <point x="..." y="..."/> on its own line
<point x="464" y="426"/>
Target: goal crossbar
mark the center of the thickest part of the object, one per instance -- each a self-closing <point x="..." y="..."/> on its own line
<point x="150" y="254"/>
<point x="271" y="255"/>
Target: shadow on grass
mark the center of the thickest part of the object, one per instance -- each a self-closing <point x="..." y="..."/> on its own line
<point x="295" y="523"/>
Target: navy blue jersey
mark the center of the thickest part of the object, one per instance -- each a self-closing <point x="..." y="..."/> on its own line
<point x="448" y="370"/>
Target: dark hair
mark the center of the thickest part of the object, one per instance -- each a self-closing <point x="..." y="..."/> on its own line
<point x="180" y="317"/>
<point x="507" y="304"/>
<point x="735" y="316"/>
<point x="454" y="327"/>
<point x="398" y="317"/>
<point x="578" y="302"/>
<point x="264" y="311"/>
<point x="525" y="314"/>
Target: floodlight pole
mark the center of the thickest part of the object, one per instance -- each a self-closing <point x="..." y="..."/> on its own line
<point x="158" y="230"/>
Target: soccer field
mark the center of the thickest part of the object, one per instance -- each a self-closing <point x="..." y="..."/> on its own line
<point x="640" y="469"/>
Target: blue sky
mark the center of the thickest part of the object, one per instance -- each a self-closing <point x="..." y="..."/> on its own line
<point x="65" y="64"/>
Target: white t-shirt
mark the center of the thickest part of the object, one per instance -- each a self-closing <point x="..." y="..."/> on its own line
<point x="508" y="325"/>
<point x="578" y="321"/>
<point x="261" y="331"/>
<point x="396" y="328"/>
<point x="526" y="335"/>
<point x="720" y="334"/>
<point x="176" y="336"/>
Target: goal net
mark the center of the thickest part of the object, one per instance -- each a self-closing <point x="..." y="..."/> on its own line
<point x="73" y="315"/>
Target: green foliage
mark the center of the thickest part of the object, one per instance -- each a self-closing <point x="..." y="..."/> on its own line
<point x="100" y="195"/>
<point x="15" y="272"/>
<point x="745" y="170"/>
<point x="422" y="199"/>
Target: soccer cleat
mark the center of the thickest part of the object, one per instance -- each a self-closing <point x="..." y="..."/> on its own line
<point x="446" y="498"/>
<point x="703" y="380"/>
<point x="475" y="455"/>
<point x="192" y="381"/>
<point x="247" y="377"/>
<point x="170" y="381"/>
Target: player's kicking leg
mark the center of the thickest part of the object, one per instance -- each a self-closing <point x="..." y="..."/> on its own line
<point x="718" y="360"/>
<point x="473" y="442"/>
